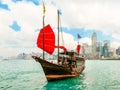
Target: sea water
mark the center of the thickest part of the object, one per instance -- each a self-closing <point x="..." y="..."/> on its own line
<point x="29" y="75"/>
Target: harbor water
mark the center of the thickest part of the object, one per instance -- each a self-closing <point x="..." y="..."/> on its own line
<point x="28" y="75"/>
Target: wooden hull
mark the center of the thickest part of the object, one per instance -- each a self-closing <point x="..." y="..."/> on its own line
<point x="56" y="72"/>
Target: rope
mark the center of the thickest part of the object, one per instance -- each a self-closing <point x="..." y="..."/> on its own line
<point x="61" y="33"/>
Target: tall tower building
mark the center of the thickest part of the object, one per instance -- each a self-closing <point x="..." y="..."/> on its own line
<point x="94" y="41"/>
<point x="94" y="38"/>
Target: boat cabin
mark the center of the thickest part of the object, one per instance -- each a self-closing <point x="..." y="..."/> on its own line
<point x="70" y="59"/>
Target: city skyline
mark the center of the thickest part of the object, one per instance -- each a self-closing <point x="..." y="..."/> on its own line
<point x="99" y="49"/>
<point x="21" y="21"/>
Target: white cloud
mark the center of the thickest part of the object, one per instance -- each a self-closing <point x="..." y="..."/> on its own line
<point x="86" y="40"/>
<point x="100" y="15"/>
<point x="92" y="14"/>
<point x="115" y="44"/>
<point x="29" y="17"/>
<point x="89" y="14"/>
<point x="13" y="42"/>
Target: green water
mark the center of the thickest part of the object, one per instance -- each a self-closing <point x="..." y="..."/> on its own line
<point x="28" y="75"/>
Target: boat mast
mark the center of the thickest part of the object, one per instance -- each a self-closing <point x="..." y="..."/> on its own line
<point x="43" y="38"/>
<point x="43" y="30"/>
<point x="58" y="34"/>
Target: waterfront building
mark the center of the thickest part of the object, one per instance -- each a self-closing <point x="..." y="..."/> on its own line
<point x="105" y="49"/>
<point x="118" y="51"/>
<point x="98" y="50"/>
<point x="86" y="50"/>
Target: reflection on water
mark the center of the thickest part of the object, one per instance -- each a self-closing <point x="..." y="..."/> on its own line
<point x="76" y="83"/>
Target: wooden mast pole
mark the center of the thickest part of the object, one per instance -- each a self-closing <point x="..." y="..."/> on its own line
<point x="43" y="38"/>
<point x="43" y="30"/>
<point x="58" y="34"/>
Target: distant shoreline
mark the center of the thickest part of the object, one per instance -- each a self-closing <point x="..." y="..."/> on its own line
<point x="105" y="59"/>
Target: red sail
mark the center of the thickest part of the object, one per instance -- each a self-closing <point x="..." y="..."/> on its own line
<point x="48" y="43"/>
<point x="78" y="49"/>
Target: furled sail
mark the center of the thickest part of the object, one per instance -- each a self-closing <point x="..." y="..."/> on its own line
<point x="46" y="39"/>
<point x="61" y="47"/>
<point x="78" y="48"/>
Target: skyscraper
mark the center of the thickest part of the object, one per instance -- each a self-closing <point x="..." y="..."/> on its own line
<point x="94" y="40"/>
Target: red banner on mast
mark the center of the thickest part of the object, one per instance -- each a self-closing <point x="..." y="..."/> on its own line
<point x="78" y="48"/>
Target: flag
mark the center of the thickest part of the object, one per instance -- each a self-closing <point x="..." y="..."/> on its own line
<point x="78" y="48"/>
<point x="78" y="36"/>
<point x="44" y="9"/>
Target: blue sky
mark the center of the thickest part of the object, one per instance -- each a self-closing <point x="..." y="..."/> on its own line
<point x="3" y="6"/>
<point x="87" y="33"/>
<point x="22" y="19"/>
<point x="15" y="26"/>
